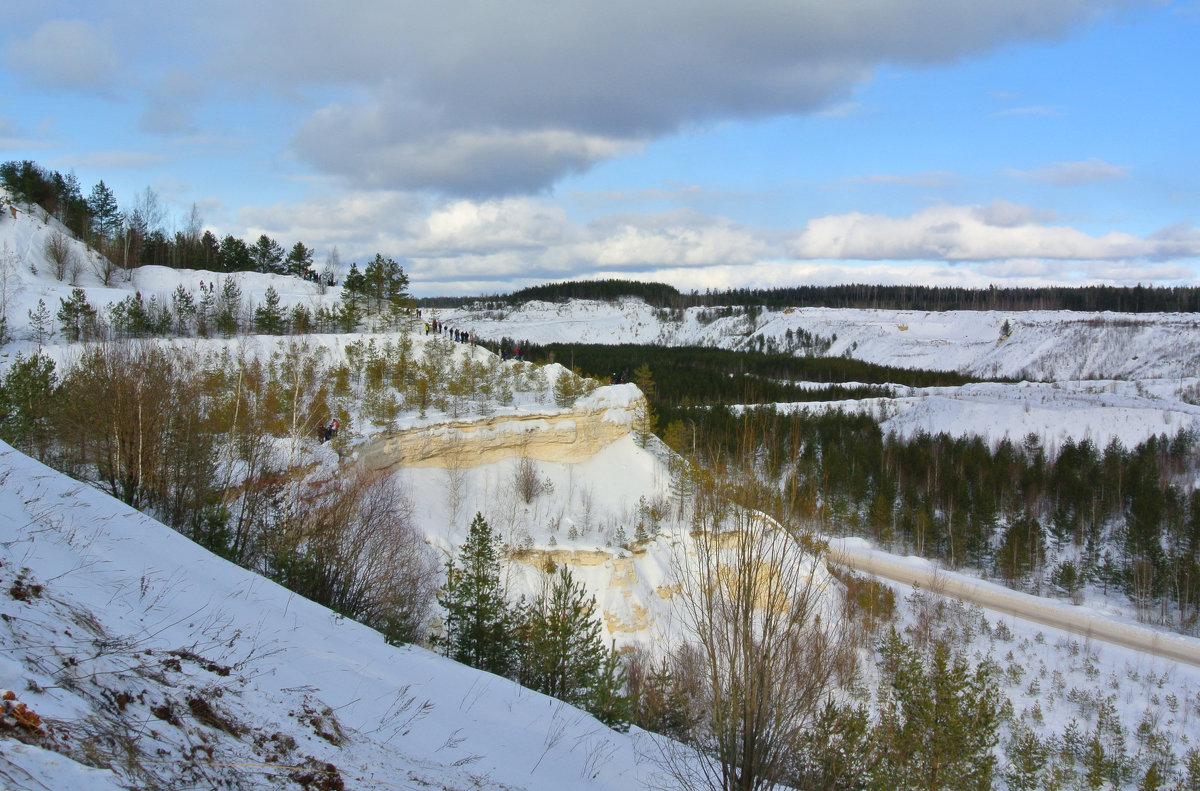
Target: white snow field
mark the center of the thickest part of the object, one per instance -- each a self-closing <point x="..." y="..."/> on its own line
<point x="185" y="668"/>
<point x="169" y="666"/>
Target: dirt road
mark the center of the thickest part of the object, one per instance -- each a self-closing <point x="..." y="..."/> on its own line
<point x="1021" y="605"/>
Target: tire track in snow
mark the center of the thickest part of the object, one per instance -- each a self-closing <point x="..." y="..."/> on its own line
<point x="1021" y="605"/>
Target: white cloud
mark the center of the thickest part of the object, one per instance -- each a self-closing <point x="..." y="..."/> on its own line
<point x="170" y="105"/>
<point x="102" y="160"/>
<point x="1073" y="174"/>
<point x="928" y="179"/>
<point x="1006" y="214"/>
<point x="13" y="136"/>
<point x="507" y="242"/>
<point x="974" y="233"/>
<point x="525" y="93"/>
<point x="1043" y="110"/>
<point x="366" y="147"/>
<point x="66" y="54"/>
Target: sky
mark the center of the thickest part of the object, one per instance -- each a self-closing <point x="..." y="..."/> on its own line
<point x="706" y="144"/>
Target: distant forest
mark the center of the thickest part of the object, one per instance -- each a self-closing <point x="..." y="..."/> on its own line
<point x="1047" y="518"/>
<point x="1125" y="517"/>
<point x="136" y="235"/>
<point x="1136" y="299"/>
<point x="701" y="375"/>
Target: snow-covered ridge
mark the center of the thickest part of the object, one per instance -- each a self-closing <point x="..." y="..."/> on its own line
<point x="128" y="634"/>
<point x="565" y="435"/>
<point x="1095" y="376"/>
<point x="1041" y="345"/>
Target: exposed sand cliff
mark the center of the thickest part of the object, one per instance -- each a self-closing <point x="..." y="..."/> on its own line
<point x="567" y="436"/>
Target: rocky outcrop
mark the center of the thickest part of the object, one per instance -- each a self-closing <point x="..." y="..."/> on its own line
<point x="567" y="436"/>
<point x="625" y="614"/>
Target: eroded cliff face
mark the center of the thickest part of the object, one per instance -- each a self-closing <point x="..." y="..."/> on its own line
<point x="624" y="607"/>
<point x="568" y="436"/>
<point x="636" y="584"/>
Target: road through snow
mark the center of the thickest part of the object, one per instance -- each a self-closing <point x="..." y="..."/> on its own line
<point x="918" y="572"/>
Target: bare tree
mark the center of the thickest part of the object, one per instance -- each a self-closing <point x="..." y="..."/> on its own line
<point x="103" y="267"/>
<point x="150" y="209"/>
<point x="525" y="479"/>
<point x="9" y="286"/>
<point x="456" y="478"/>
<point x="302" y="374"/>
<point x="356" y="551"/>
<point x="144" y="217"/>
<point x="765" y="644"/>
<point x="60" y="254"/>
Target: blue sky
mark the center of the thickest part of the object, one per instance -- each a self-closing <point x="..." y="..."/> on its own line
<point x="706" y="144"/>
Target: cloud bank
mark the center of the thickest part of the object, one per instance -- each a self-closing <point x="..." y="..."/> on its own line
<point x="488" y="99"/>
<point x="493" y="245"/>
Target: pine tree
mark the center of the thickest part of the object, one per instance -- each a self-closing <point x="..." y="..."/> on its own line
<point x="355" y="284"/>
<point x="479" y="619"/>
<point x="267" y="256"/>
<point x="939" y="719"/>
<point x="353" y="299"/>
<point x="205" y="311"/>
<point x="228" y="307"/>
<point x="233" y="255"/>
<point x="184" y="306"/>
<point x="268" y="317"/>
<point x="609" y="700"/>
<point x="130" y="317"/>
<point x="106" y="216"/>
<point x="1027" y="759"/>
<point x="563" y="653"/>
<point x="76" y="316"/>
<point x="26" y="400"/>
<point x="40" y="326"/>
<point x="645" y="420"/>
<point x="383" y="282"/>
<point x="299" y="260"/>
<point x="566" y="389"/>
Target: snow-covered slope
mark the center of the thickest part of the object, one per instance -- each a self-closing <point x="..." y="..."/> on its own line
<point x="1097" y="410"/>
<point x="142" y="652"/>
<point x="1097" y="376"/>
<point x="27" y="276"/>
<point x="146" y="655"/>
<point x="1042" y="345"/>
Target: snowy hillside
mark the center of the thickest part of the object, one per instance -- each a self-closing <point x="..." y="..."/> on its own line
<point x="1099" y="376"/>
<point x="1089" y="376"/>
<point x="140" y="651"/>
<point x="1097" y="410"/>
<point x="28" y="276"/>
<point x="1040" y="345"/>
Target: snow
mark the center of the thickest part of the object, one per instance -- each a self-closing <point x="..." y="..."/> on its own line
<point x="31" y="767"/>
<point x="129" y="606"/>
<point x="147" y="591"/>
<point x="1097" y="376"/>
<point x="1044" y="345"/>
<point x="1098" y="410"/>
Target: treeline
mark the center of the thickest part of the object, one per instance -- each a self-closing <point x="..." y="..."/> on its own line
<point x="1035" y="516"/>
<point x="686" y="375"/>
<point x="1123" y="299"/>
<point x="659" y="294"/>
<point x="136" y="235"/>
<point x="210" y="444"/>
<point x="376" y="299"/>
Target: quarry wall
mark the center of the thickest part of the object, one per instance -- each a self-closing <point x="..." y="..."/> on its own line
<point x="568" y="436"/>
